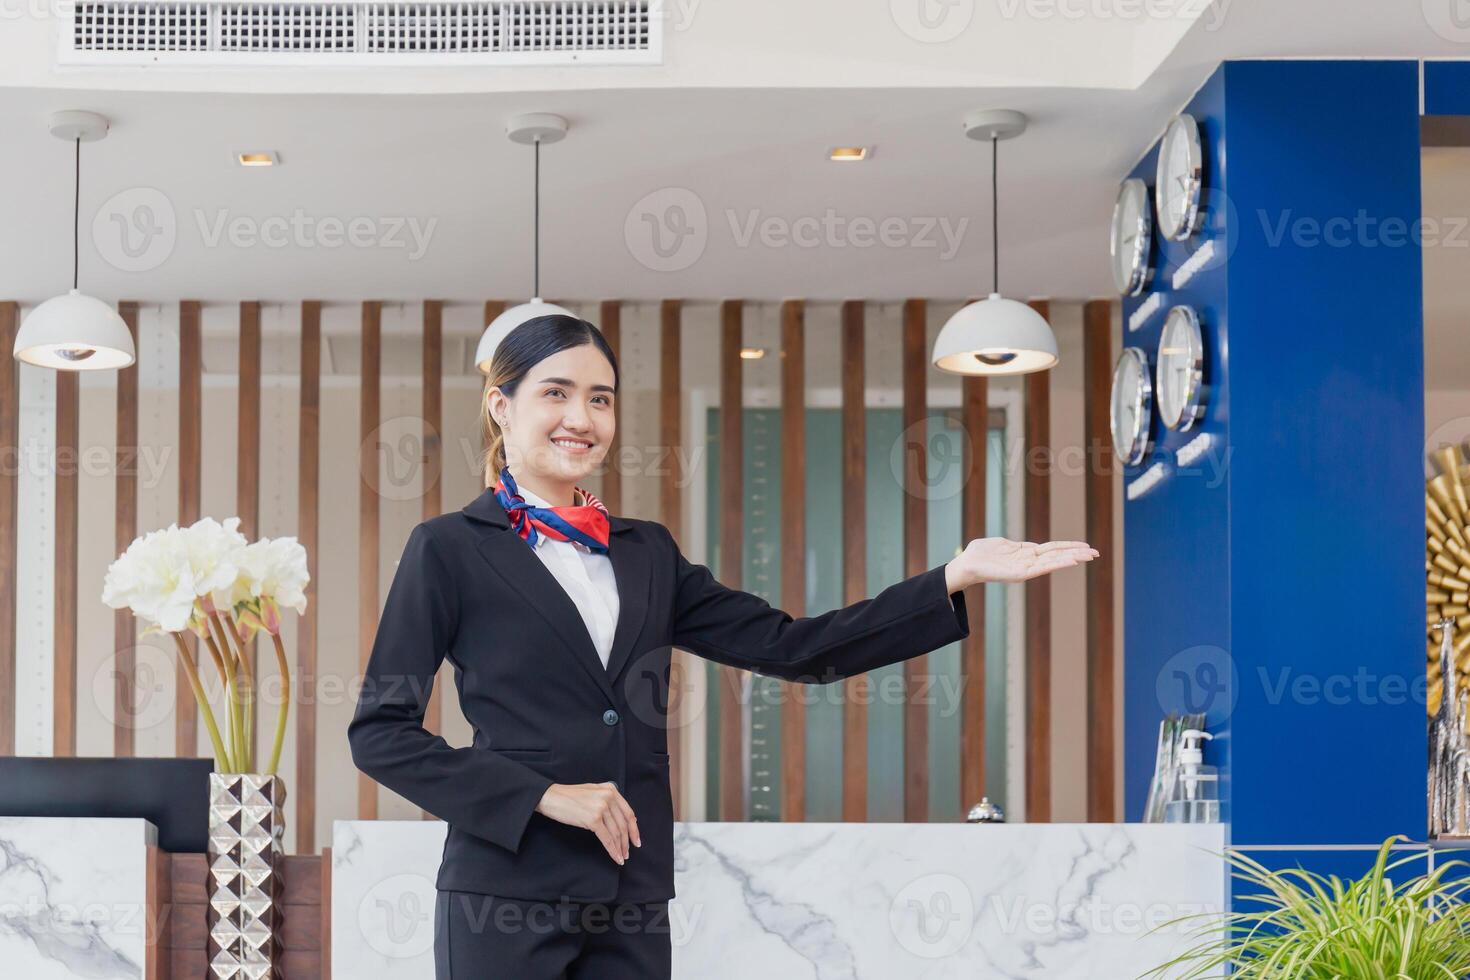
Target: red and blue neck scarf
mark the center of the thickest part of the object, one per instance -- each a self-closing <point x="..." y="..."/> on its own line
<point x="584" y="524"/>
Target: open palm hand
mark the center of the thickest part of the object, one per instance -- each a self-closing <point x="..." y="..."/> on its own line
<point x="1004" y="560"/>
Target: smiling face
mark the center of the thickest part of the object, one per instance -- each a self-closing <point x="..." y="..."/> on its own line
<point x="559" y="422"/>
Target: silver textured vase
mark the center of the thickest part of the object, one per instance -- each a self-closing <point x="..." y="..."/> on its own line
<point x="247" y="823"/>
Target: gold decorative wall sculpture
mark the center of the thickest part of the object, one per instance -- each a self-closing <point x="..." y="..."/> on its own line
<point x="1447" y="563"/>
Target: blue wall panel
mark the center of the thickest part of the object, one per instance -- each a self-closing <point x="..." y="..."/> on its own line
<point x="1327" y="433"/>
<point x="1447" y="88"/>
<point x="1346" y="865"/>
<point x="1176" y="587"/>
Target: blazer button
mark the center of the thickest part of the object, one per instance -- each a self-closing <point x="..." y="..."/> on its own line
<point x="609" y="717"/>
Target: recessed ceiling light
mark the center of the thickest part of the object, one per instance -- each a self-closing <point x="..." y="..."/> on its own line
<point x="849" y="153"/>
<point x="258" y="158"/>
<point x="752" y="353"/>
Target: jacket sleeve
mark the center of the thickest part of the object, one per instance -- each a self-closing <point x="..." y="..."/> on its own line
<point x="475" y="789"/>
<point x="731" y="627"/>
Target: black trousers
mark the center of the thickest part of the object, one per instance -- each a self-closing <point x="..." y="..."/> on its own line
<point x="485" y="937"/>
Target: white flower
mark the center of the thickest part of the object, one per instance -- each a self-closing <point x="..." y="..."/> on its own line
<point x="153" y="579"/>
<point x="272" y="568"/>
<point x="161" y="574"/>
<point x="214" y="553"/>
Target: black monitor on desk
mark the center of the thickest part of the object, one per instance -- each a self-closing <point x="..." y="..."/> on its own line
<point x="173" y="794"/>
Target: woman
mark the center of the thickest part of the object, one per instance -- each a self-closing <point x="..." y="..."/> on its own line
<point x="559" y="619"/>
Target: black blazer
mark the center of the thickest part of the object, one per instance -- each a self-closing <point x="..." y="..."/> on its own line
<point x="544" y="709"/>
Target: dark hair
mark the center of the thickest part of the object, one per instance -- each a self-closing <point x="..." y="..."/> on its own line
<point x="522" y="349"/>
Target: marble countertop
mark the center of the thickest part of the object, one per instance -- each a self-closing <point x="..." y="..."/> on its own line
<point x="830" y="900"/>
<point x="73" y="897"/>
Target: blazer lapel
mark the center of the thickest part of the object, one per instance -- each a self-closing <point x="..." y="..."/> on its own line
<point x="631" y="569"/>
<point x="514" y="561"/>
<point x="539" y="590"/>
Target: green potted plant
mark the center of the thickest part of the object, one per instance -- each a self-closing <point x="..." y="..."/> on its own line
<point x="1307" y="926"/>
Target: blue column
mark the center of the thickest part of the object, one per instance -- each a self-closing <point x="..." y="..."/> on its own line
<point x="1278" y="583"/>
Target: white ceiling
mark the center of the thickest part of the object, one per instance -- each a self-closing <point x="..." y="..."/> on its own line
<point x="738" y="120"/>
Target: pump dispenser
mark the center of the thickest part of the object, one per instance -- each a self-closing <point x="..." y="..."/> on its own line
<point x="1194" y="789"/>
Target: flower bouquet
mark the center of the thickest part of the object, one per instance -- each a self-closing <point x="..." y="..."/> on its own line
<point x="205" y="578"/>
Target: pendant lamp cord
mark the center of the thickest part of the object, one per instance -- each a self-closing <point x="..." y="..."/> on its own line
<point x="76" y="216"/>
<point x="536" y="223"/>
<point x="994" y="214"/>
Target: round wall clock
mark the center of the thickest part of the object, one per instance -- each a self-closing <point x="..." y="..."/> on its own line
<point x="1132" y="401"/>
<point x="1179" y="367"/>
<point x="1132" y="237"/>
<point x="1179" y="179"/>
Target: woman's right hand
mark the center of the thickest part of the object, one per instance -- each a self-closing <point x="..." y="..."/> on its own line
<point x="1004" y="560"/>
<point x="597" y="807"/>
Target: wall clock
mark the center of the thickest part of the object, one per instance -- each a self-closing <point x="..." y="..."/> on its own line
<point x="1131" y="405"/>
<point x="1180" y="367"/>
<point x="1132" y="237"/>
<point x="1179" y="179"/>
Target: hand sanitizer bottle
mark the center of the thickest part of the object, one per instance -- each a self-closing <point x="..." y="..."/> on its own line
<point x="1194" y="790"/>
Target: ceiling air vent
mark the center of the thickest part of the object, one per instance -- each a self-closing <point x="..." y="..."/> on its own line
<point x="189" y="33"/>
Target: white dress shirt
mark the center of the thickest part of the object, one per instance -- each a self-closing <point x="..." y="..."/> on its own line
<point x="586" y="576"/>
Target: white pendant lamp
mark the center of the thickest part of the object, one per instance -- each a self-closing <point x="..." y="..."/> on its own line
<point x="534" y="128"/>
<point x="995" y="335"/>
<point x="74" y="332"/>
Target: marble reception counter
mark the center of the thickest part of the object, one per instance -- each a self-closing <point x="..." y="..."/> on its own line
<point x="819" y="900"/>
<point x="830" y="900"/>
<point x="73" y="897"/>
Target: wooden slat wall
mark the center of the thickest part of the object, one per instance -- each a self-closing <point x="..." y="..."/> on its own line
<point x="915" y="554"/>
<point x="493" y="308"/>
<point x="1097" y="370"/>
<point x="671" y="314"/>
<point x="125" y="453"/>
<point x="367" y="525"/>
<point x="431" y="464"/>
<point x="610" y="315"/>
<point x="854" y="554"/>
<point x="1038" y="593"/>
<point x="671" y="438"/>
<point x="247" y="481"/>
<point x="64" y="693"/>
<point x="1098" y="353"/>
<point x="793" y="544"/>
<point x="308" y="497"/>
<point x="191" y="462"/>
<point x="732" y="526"/>
<point x="975" y="418"/>
<point x="9" y="523"/>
